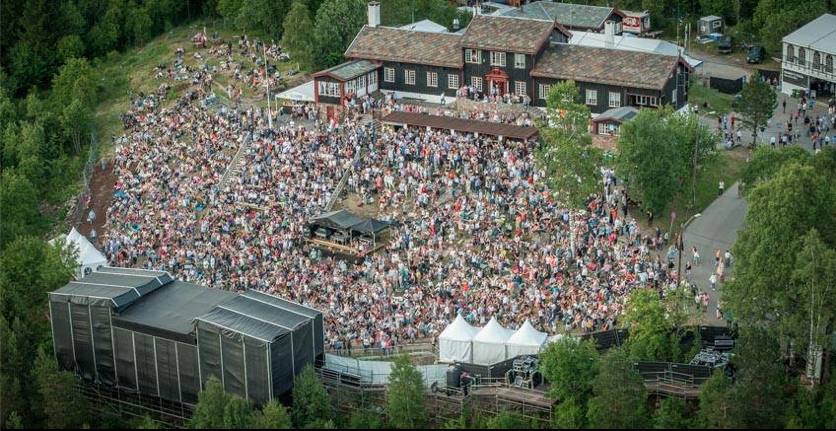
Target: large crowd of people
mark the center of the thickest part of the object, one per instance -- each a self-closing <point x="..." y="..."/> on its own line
<point x="474" y="229"/>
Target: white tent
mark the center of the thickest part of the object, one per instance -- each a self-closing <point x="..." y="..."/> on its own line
<point x="526" y="341"/>
<point x="455" y="342"/>
<point x="489" y="344"/>
<point x="89" y="257"/>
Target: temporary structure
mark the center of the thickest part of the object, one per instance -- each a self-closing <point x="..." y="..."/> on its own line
<point x="455" y="342"/>
<point x="489" y="345"/>
<point x="526" y="341"/>
<point x="89" y="257"/>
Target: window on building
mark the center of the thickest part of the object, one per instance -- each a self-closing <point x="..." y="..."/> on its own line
<point x="816" y="60"/>
<point x="476" y="82"/>
<point x="453" y="81"/>
<point x="801" y="57"/>
<point x="519" y="61"/>
<point x="543" y="91"/>
<point x="790" y="53"/>
<point x="351" y="86"/>
<point x="432" y="79"/>
<point x="409" y="77"/>
<point x="615" y="99"/>
<point x="639" y="100"/>
<point x="828" y="63"/>
<point x="497" y="58"/>
<point x="519" y="88"/>
<point x="389" y="74"/>
<point x="329" y="89"/>
<point x="605" y="128"/>
<point x="673" y="97"/>
<point x="373" y="79"/>
<point x="361" y="82"/>
<point x="592" y="97"/>
<point x="472" y="56"/>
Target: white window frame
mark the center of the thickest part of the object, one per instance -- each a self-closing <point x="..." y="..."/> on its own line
<point x="614" y="102"/>
<point x="519" y="61"/>
<point x="388" y="74"/>
<point x="472" y="55"/>
<point x="329" y="89"/>
<point x="372" y="79"/>
<point x="432" y="79"/>
<point x="453" y="81"/>
<point x="520" y="88"/>
<point x="544" y="91"/>
<point x="476" y="82"/>
<point x="409" y="76"/>
<point x="498" y="58"/>
<point x="591" y="97"/>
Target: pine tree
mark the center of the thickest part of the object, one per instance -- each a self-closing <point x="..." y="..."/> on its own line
<point x="298" y="34"/>
<point x="405" y="395"/>
<point x="310" y="401"/>
<point x="211" y="402"/>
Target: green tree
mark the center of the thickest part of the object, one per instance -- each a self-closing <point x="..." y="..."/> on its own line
<point x="211" y="404"/>
<point x="815" y="278"/>
<point x="756" y="104"/>
<point x="759" y="385"/>
<point x="648" y="158"/>
<point x="310" y="401"/>
<point x="774" y="19"/>
<point x="507" y="420"/>
<point x="364" y="419"/>
<point x="337" y="23"/>
<point x="70" y="47"/>
<point x="75" y="80"/>
<point x="238" y="413"/>
<point x="717" y="402"/>
<point x="146" y="423"/>
<point x="766" y="162"/>
<point x="569" y="414"/>
<point x="671" y="414"/>
<point x="620" y="397"/>
<point x="62" y="406"/>
<point x="781" y="212"/>
<point x="405" y="395"/>
<point x="18" y="208"/>
<point x="654" y="325"/>
<point x="570" y="365"/>
<point x="76" y="120"/>
<point x="13" y="421"/>
<point x="273" y="415"/>
<point x="298" y="34"/>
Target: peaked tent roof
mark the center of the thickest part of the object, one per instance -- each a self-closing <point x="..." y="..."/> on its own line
<point x="818" y="34"/>
<point x="527" y="336"/>
<point x="88" y="254"/>
<point x="493" y="333"/>
<point x="114" y="287"/>
<point x="459" y="330"/>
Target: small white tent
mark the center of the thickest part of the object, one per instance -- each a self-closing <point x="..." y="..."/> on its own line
<point x="89" y="257"/>
<point x="455" y="342"/>
<point x="489" y="344"/>
<point x="526" y="341"/>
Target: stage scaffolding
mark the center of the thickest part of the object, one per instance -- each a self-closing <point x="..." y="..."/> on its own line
<point x="104" y="398"/>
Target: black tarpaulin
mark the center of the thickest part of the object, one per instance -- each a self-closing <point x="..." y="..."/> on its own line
<point x="255" y="356"/>
<point x="340" y="219"/>
<point x="302" y="342"/>
<point x="82" y="341"/>
<point x="62" y="335"/>
<point x="228" y="320"/>
<point x="100" y="317"/>
<point x="146" y="366"/>
<point x="232" y="352"/>
<point x="281" y="365"/>
<point x="189" y="381"/>
<point x="125" y="367"/>
<point x="292" y="307"/>
<point x="167" y="369"/>
<point x="209" y="345"/>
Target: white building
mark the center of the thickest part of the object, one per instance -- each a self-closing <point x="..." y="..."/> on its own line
<point x="808" y="54"/>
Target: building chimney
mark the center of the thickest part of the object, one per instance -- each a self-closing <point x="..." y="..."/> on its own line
<point x="374" y="13"/>
<point x="609" y="32"/>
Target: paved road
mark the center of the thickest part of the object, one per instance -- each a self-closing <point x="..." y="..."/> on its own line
<point x="717" y="228"/>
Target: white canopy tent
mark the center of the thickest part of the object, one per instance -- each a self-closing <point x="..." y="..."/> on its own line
<point x="526" y="341"/>
<point x="456" y="341"/>
<point x="489" y="345"/>
<point x="89" y="257"/>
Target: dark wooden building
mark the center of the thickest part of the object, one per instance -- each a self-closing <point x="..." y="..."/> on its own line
<point x="520" y="56"/>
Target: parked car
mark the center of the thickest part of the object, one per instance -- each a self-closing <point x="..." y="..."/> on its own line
<point x="724" y="46"/>
<point x="755" y="55"/>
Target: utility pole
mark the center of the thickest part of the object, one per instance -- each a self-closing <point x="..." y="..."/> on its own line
<point x="267" y="75"/>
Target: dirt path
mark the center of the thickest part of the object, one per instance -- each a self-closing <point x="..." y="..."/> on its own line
<point x="101" y="195"/>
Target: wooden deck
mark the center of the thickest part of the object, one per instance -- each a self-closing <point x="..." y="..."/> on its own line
<point x="514" y="394"/>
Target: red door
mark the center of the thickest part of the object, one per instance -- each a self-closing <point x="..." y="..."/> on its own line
<point x="497" y="77"/>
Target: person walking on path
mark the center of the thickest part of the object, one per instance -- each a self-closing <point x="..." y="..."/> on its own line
<point x="721" y="188"/>
<point x="696" y="256"/>
<point x="713" y="280"/>
<point x="727" y="257"/>
<point x="784" y="105"/>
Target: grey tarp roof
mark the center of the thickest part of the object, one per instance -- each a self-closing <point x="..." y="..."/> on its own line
<point x="340" y="219"/>
<point x="371" y="226"/>
<point x="258" y="315"/>
<point x="172" y="309"/>
<point x="568" y="14"/>
<point x="114" y="287"/>
<point x="349" y="70"/>
<point x="818" y="34"/>
<point x="620" y="114"/>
